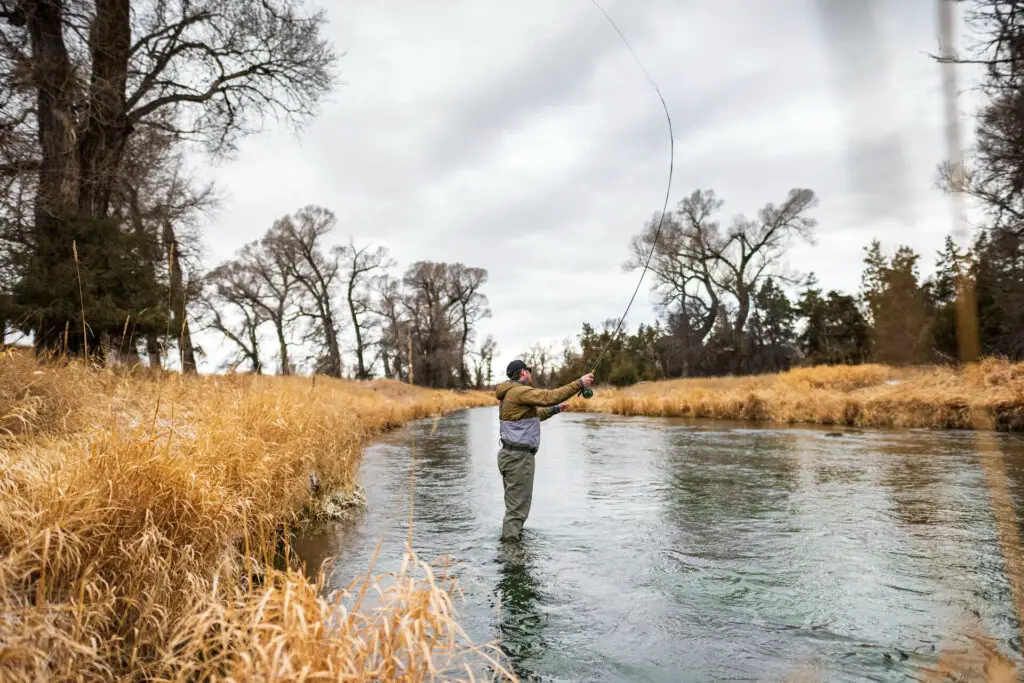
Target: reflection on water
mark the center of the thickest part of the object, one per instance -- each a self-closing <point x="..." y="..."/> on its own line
<point x="664" y="550"/>
<point x="520" y="621"/>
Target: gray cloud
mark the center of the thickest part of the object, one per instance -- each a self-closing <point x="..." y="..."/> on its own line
<point x="524" y="139"/>
<point x="863" y="82"/>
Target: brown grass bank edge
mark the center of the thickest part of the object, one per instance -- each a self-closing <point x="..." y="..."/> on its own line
<point x="140" y="518"/>
<point x="987" y="395"/>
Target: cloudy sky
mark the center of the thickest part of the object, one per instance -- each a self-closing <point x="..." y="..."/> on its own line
<point x="523" y="138"/>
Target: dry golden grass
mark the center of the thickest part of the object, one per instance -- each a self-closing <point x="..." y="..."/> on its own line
<point x="142" y="520"/>
<point x="988" y="395"/>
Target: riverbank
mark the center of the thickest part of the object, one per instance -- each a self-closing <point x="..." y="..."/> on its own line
<point x="143" y="518"/>
<point x="987" y="396"/>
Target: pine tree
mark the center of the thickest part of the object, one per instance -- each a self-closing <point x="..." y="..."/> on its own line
<point x="951" y="267"/>
<point x="873" y="277"/>
<point x="812" y="342"/>
<point x="771" y="328"/>
<point x="847" y="333"/>
<point x="898" y="307"/>
<point x="835" y="329"/>
<point x="999" y="273"/>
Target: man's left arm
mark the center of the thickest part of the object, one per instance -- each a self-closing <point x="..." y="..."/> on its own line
<point x="545" y="413"/>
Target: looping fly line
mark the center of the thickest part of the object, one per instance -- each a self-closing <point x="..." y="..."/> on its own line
<point x="668" y="189"/>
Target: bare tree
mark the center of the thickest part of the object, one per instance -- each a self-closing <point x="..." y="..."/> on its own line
<point x="430" y="313"/>
<point x="17" y="160"/>
<point x="279" y="294"/>
<point x="683" y="261"/>
<point x="394" y="327"/>
<point x="427" y="321"/>
<point x="470" y="306"/>
<point x="542" y="359"/>
<point x="754" y="250"/>
<point x="360" y="263"/>
<point x="483" y="362"/>
<point x="697" y="267"/>
<point x="298" y="243"/>
<point x="233" y="288"/>
<point x="100" y="72"/>
<point x="268" y="287"/>
<point x="179" y="301"/>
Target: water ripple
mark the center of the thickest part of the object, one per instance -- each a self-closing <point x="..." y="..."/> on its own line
<point x="660" y="550"/>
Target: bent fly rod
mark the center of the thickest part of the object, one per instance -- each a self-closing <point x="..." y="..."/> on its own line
<point x="587" y="392"/>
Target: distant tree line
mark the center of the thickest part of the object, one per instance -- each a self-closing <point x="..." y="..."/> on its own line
<point x="336" y="300"/>
<point x="722" y="316"/>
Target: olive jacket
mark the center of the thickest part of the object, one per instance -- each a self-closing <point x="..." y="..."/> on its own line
<point x="523" y="408"/>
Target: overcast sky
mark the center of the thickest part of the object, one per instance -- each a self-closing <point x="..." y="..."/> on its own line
<point x="523" y="138"/>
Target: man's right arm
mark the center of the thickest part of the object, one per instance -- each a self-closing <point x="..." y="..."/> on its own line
<point x="549" y="397"/>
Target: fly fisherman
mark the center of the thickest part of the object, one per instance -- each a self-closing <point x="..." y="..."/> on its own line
<point x="522" y="410"/>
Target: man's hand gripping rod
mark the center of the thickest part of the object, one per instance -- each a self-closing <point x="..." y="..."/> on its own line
<point x="586" y="391"/>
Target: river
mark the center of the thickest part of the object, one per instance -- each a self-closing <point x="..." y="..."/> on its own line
<point x="671" y="550"/>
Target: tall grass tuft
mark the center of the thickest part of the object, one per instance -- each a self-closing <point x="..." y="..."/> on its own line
<point x="143" y="522"/>
<point x="987" y="395"/>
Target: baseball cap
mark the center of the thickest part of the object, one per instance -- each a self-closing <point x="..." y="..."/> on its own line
<point x="514" y="367"/>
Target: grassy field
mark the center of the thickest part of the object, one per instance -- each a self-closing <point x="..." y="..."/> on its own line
<point x="141" y="527"/>
<point x="989" y="395"/>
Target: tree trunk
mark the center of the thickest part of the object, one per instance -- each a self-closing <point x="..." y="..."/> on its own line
<point x="56" y="195"/>
<point x="410" y="357"/>
<point x="333" y="349"/>
<point x="322" y="297"/>
<point x="254" y="354"/>
<point x="282" y="341"/>
<point x="709" y="324"/>
<point x="463" y="370"/>
<point x="153" y="350"/>
<point x="741" y="338"/>
<point x="361" y="368"/>
<point x="105" y="131"/>
<point x="179" y="308"/>
<point x="188" y="353"/>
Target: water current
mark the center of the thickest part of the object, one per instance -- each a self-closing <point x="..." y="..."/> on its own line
<point x="670" y="550"/>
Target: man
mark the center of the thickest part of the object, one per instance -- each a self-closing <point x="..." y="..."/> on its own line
<point x="522" y="410"/>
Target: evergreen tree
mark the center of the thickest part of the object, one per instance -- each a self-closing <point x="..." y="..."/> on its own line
<point x="847" y="333"/>
<point x="813" y="340"/>
<point x="999" y="273"/>
<point x="835" y="329"/>
<point x="951" y="267"/>
<point x="85" y="283"/>
<point x="897" y="306"/>
<point x="872" y="279"/>
<point x="771" y="329"/>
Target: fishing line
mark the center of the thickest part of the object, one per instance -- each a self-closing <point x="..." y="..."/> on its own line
<point x="587" y="393"/>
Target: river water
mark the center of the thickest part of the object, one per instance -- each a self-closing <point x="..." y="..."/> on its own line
<point x="670" y="550"/>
